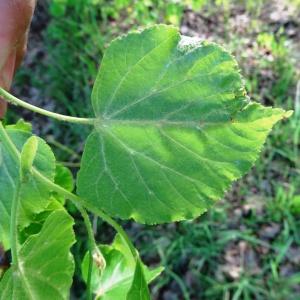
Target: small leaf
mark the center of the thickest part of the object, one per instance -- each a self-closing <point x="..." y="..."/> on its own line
<point x="28" y="154"/>
<point x="46" y="266"/>
<point x="34" y="195"/>
<point x="64" y="177"/>
<point x="175" y="128"/>
<point x="21" y="125"/>
<point x="139" y="289"/>
<point x="115" y="280"/>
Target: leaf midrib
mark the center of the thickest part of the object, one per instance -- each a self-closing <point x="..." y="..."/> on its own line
<point x="105" y="123"/>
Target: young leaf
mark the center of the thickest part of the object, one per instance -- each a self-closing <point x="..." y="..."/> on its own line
<point x="21" y="125"/>
<point x="115" y="281"/>
<point x="175" y="128"/>
<point x="46" y="266"/>
<point x="28" y="154"/>
<point x="139" y="288"/>
<point x="34" y="195"/>
<point x="64" y="177"/>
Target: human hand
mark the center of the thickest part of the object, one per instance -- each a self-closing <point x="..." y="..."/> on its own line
<point x="15" y="18"/>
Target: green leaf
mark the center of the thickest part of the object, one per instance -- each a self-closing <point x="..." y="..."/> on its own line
<point x="139" y="289"/>
<point x="34" y="195"/>
<point x="28" y="155"/>
<point x="64" y="177"/>
<point x="21" y="125"/>
<point x="46" y="266"/>
<point x="39" y="219"/>
<point x="116" y="280"/>
<point x="175" y="128"/>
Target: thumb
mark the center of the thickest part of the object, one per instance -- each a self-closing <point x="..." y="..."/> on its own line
<point x="6" y="77"/>
<point x="15" y="17"/>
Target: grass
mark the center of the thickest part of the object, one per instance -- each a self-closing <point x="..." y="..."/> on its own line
<point x="248" y="246"/>
<point x="225" y="256"/>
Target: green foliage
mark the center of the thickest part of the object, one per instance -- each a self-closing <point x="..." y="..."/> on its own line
<point x="21" y="125"/>
<point x="64" y="177"/>
<point x="162" y="103"/>
<point x="45" y="266"/>
<point x="35" y="196"/>
<point x="121" y="275"/>
<point x="139" y="288"/>
<point x="295" y="205"/>
<point x="27" y="157"/>
<point x="173" y="129"/>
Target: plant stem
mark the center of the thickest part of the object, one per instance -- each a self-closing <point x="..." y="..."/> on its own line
<point x="15" y="202"/>
<point x="64" y="148"/>
<point x="78" y="201"/>
<point x="92" y="246"/>
<point x="117" y="227"/>
<point x="89" y="278"/>
<point x="14" y="228"/>
<point x="14" y="100"/>
<point x="13" y="220"/>
<point x="69" y="164"/>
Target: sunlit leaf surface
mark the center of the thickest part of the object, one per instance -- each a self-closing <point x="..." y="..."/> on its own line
<point x="175" y="128"/>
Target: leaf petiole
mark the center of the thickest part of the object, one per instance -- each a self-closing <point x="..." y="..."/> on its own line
<point x="14" y="100"/>
<point x="27" y="162"/>
<point x="78" y="201"/>
<point x="14" y="228"/>
<point x="92" y="245"/>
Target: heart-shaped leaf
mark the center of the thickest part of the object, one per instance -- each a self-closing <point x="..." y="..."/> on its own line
<point x="175" y="128"/>
<point x="45" y="267"/>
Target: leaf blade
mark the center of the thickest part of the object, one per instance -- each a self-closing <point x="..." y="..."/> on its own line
<point x="177" y="119"/>
<point x="35" y="196"/>
<point x="46" y="267"/>
<point x="116" y="279"/>
<point x="139" y="287"/>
